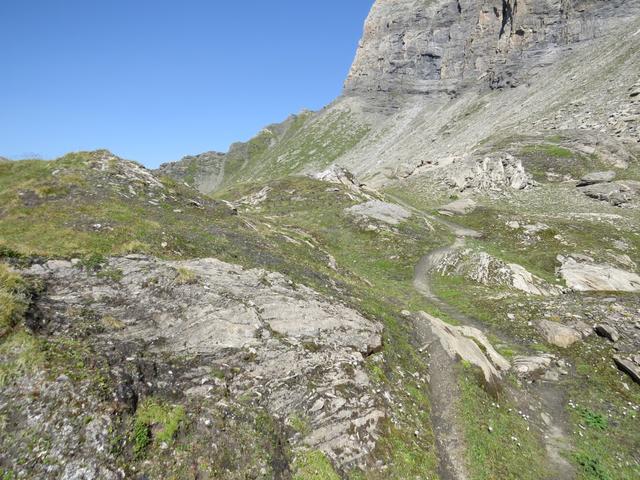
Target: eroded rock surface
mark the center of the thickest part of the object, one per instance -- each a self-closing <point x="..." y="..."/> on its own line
<point x="462" y="342"/>
<point x="491" y="271"/>
<point x="618" y="193"/>
<point x="417" y="47"/>
<point x="597" y="177"/>
<point x="493" y="173"/>
<point x="291" y="349"/>
<point x="384" y="212"/>
<point x="582" y="274"/>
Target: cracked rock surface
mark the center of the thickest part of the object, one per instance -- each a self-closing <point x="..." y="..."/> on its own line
<point x="285" y="345"/>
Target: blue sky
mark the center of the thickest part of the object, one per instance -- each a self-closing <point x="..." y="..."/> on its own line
<point x="154" y="80"/>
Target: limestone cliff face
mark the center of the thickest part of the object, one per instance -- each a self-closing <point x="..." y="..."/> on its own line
<point x="435" y="80"/>
<point x="431" y="46"/>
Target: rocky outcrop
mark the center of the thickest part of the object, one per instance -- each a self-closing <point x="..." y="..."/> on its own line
<point x="285" y="345"/>
<point x="495" y="173"/>
<point x="469" y="344"/>
<point x="412" y="47"/>
<point x="204" y="172"/>
<point x="618" y="193"/>
<point x="582" y="274"/>
<point x="558" y="334"/>
<point x="597" y="177"/>
<point x="339" y="175"/>
<point x="488" y="270"/>
<point x="388" y="213"/>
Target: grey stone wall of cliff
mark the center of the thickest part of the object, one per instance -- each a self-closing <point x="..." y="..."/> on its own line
<point x="442" y="46"/>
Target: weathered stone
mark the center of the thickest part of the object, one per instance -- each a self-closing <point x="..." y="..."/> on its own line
<point x="275" y="333"/>
<point x="532" y="366"/>
<point x="597" y="177"/>
<point x="629" y="367"/>
<point x="558" y="334"/>
<point x="607" y="331"/>
<point x="487" y="174"/>
<point x="388" y="213"/>
<point x="616" y="193"/>
<point x="488" y="270"/>
<point x="462" y="206"/>
<point x="462" y="342"/>
<point x="582" y="275"/>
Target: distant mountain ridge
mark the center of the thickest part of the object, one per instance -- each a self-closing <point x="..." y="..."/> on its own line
<point x="434" y="81"/>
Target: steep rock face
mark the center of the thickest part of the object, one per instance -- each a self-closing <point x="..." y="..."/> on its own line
<point x="204" y="171"/>
<point x="436" y="46"/>
<point x="438" y="80"/>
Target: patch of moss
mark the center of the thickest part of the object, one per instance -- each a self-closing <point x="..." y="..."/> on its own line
<point x="156" y="423"/>
<point x="313" y="465"/>
<point x="20" y="354"/>
<point x="12" y="301"/>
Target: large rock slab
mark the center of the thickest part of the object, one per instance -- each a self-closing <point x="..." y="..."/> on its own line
<point x="283" y="343"/>
<point x="384" y="212"/>
<point x="616" y="193"/>
<point x="597" y="177"/>
<point x="558" y="334"/>
<point x="583" y="275"/>
<point x="463" y="342"/>
<point x="488" y="270"/>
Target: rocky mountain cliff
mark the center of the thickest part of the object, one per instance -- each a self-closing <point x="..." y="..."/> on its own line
<point x="436" y="81"/>
<point x="415" y="47"/>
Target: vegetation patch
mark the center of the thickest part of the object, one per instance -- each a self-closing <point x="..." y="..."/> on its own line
<point x="313" y="465"/>
<point x="157" y="423"/>
<point x="500" y="444"/>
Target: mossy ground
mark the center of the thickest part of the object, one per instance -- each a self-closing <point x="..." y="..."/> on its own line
<point x="49" y="210"/>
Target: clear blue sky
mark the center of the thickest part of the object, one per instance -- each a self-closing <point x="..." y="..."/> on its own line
<point x="153" y="80"/>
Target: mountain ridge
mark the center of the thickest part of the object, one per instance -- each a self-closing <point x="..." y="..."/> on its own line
<point x="502" y="55"/>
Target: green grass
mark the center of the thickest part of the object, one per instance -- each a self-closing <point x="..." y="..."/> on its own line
<point x="20" y="354"/>
<point x="510" y="450"/>
<point x="313" y="465"/>
<point x="186" y="276"/>
<point x="602" y="426"/>
<point x="156" y="423"/>
<point x="547" y="150"/>
<point x="284" y="149"/>
<point x="593" y="419"/>
<point x="12" y="301"/>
